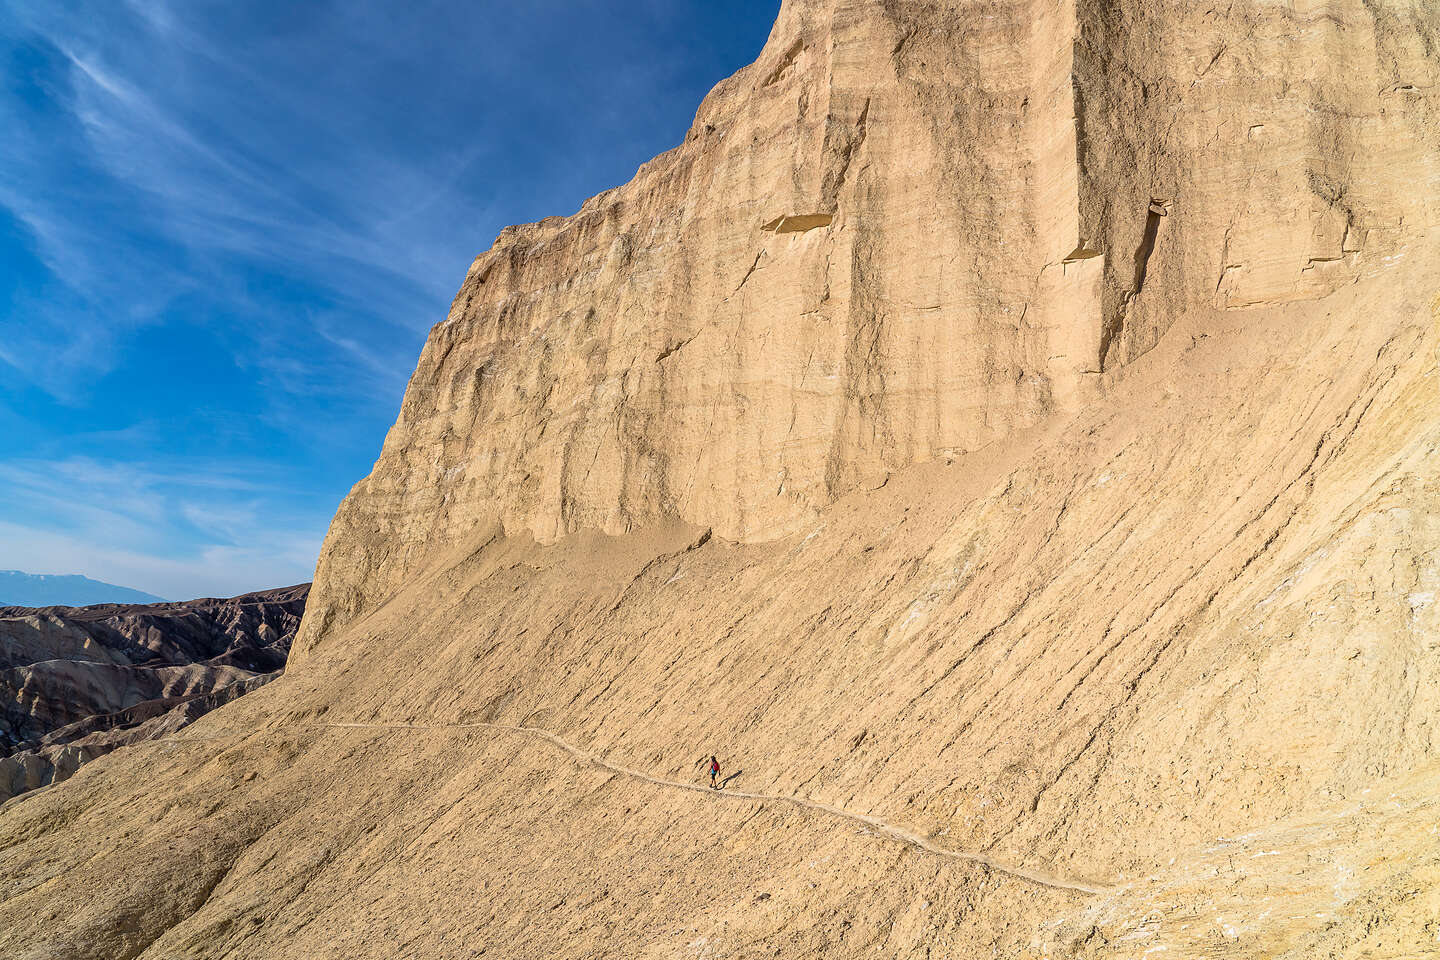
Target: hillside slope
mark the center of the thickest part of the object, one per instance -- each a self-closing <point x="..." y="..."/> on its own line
<point x="1102" y="626"/>
<point x="1114" y="646"/>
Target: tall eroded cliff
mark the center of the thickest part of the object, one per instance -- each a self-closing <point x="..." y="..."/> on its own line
<point x="905" y="232"/>
<point x="1007" y="434"/>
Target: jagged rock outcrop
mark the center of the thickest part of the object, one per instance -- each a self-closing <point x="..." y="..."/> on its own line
<point x="1008" y="434"/>
<point x="75" y="682"/>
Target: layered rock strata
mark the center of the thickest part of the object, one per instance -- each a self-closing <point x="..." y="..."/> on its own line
<point x="77" y="681"/>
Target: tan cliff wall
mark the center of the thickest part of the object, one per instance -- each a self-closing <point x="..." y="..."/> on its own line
<point x="1292" y="146"/>
<point x="906" y="231"/>
<point x="1153" y="670"/>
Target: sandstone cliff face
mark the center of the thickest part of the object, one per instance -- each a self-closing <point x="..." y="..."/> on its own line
<point x="1143" y="661"/>
<point x="1262" y="154"/>
<point x="905" y="232"/>
<point x="77" y="681"/>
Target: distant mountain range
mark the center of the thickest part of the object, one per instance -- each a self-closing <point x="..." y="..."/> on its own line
<point x="21" y="589"/>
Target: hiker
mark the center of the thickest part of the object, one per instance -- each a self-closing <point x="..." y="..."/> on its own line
<point x="714" y="773"/>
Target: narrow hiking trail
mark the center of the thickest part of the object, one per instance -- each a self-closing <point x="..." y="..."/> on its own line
<point x="880" y="826"/>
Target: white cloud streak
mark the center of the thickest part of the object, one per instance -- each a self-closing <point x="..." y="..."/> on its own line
<point x="272" y="558"/>
<point x="181" y="532"/>
<point x="251" y="213"/>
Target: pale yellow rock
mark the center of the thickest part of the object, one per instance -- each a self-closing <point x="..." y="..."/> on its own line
<point x="1010" y="430"/>
<point x="906" y="231"/>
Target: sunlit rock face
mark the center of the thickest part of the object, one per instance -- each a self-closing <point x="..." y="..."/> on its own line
<point x="1144" y="661"/>
<point x="907" y="230"/>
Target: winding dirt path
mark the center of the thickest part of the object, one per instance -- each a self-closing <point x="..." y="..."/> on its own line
<point x="878" y="825"/>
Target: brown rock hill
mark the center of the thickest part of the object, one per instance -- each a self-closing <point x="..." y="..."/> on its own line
<point x="1008" y="434"/>
<point x="75" y="682"/>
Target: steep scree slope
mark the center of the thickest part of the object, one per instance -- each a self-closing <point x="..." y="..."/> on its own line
<point x="1141" y="652"/>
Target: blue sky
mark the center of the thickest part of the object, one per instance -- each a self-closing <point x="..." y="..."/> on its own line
<point x="226" y="225"/>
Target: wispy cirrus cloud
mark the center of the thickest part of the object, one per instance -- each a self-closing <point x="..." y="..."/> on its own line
<point x="226" y="226"/>
<point x="195" y="529"/>
<point x="132" y="117"/>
